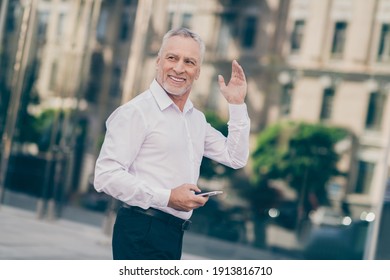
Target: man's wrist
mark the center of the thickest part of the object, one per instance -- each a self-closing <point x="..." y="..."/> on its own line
<point x="238" y="112"/>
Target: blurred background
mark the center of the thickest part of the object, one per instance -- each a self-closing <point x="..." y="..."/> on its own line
<point x="317" y="185"/>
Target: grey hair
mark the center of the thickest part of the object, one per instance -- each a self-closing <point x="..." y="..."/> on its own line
<point x="186" y="33"/>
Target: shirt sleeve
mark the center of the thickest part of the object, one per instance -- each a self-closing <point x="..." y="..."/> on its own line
<point x="126" y="131"/>
<point x="233" y="150"/>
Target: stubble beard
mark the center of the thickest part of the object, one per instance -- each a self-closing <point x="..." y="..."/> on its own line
<point x="175" y="91"/>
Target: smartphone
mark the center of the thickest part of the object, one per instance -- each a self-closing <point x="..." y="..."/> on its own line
<point x="210" y="193"/>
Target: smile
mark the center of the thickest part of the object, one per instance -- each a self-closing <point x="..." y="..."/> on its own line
<point x="176" y="79"/>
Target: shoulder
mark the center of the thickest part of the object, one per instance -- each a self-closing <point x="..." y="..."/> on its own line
<point x="133" y="109"/>
<point x="140" y="101"/>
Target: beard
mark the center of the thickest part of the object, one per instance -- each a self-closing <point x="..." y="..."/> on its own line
<point x="174" y="90"/>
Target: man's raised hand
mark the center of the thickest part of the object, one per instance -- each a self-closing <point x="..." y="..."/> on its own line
<point x="235" y="90"/>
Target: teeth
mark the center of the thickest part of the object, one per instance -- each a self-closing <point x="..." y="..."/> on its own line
<point x="177" y="79"/>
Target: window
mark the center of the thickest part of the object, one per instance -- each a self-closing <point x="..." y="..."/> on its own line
<point x="297" y="35"/>
<point x="339" y="36"/>
<point x="96" y="70"/>
<point x="365" y="174"/>
<point x="327" y="104"/>
<point x="226" y="33"/>
<point x="235" y="28"/>
<point x="186" y="20"/>
<point x="102" y="26"/>
<point x="42" y="26"/>
<point x="115" y="88"/>
<point x="384" y="44"/>
<point x="124" y="26"/>
<point x="60" y="26"/>
<point x="182" y="19"/>
<point x="11" y="17"/>
<point x="249" y="32"/>
<point x="170" y="20"/>
<point x="375" y="111"/>
<point x="285" y="102"/>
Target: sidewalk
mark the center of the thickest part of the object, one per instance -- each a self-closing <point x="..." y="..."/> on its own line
<point x="24" y="237"/>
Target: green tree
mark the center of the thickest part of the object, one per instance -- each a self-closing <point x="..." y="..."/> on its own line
<point x="301" y="154"/>
<point x="37" y="128"/>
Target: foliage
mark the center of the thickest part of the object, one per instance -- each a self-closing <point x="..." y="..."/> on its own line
<point x="37" y="129"/>
<point x="301" y="154"/>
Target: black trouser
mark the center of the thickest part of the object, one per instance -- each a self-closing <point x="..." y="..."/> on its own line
<point x="138" y="236"/>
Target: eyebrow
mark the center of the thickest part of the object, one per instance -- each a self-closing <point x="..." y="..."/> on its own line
<point x="185" y="58"/>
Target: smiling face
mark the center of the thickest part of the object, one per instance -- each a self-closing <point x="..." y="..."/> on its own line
<point x="178" y="65"/>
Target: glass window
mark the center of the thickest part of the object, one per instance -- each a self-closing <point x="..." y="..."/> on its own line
<point x="384" y="44"/>
<point x="285" y="104"/>
<point x="327" y="104"/>
<point x="11" y="17"/>
<point x="186" y="20"/>
<point x="102" y="26"/>
<point x="182" y="19"/>
<point x="115" y="89"/>
<point x="339" y="37"/>
<point x="375" y="111"/>
<point x="127" y="2"/>
<point x="249" y="32"/>
<point x="42" y="26"/>
<point x="297" y="35"/>
<point x="365" y="175"/>
<point x="124" y="26"/>
<point x="226" y="33"/>
<point x="170" y="20"/>
<point x="60" y="26"/>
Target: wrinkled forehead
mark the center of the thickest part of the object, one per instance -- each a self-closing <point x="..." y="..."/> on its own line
<point x="183" y="46"/>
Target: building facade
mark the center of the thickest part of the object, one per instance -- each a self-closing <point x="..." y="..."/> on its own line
<point x="338" y="73"/>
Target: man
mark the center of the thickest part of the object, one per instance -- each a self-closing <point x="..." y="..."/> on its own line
<point x="153" y="148"/>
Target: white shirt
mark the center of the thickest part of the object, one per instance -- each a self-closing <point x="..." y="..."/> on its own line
<point x="151" y="147"/>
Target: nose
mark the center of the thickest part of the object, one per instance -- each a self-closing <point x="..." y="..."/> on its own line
<point x="179" y="67"/>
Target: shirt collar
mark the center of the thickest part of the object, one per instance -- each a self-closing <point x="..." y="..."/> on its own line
<point x="163" y="100"/>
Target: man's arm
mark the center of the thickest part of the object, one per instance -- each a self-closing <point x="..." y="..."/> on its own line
<point x="232" y="151"/>
<point x="124" y="137"/>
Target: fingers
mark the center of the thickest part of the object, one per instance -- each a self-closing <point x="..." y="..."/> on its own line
<point x="194" y="188"/>
<point x="221" y="82"/>
<point x="199" y="201"/>
<point x="237" y="74"/>
<point x="182" y="198"/>
<point x="237" y="71"/>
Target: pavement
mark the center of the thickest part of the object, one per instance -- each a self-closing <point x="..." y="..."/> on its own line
<point x="25" y="237"/>
<point x="79" y="235"/>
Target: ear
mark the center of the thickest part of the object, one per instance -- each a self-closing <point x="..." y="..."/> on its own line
<point x="197" y="74"/>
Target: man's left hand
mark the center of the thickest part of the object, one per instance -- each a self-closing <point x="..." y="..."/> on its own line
<point x="235" y="90"/>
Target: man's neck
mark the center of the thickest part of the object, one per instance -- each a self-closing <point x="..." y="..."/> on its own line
<point x="179" y="100"/>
